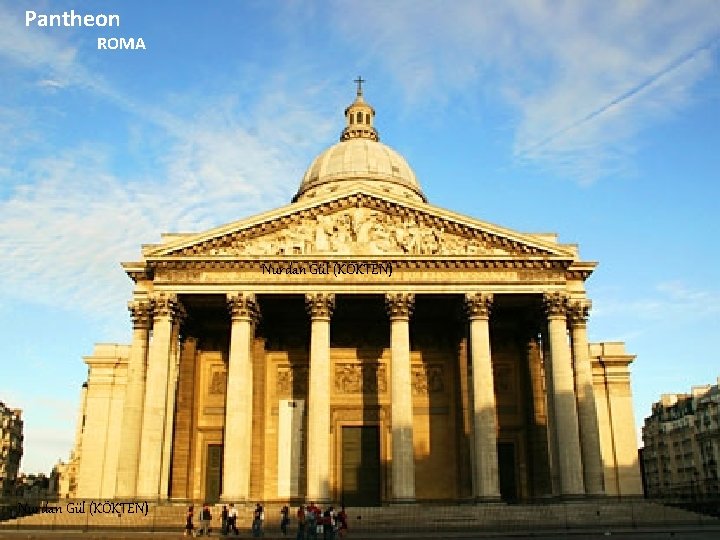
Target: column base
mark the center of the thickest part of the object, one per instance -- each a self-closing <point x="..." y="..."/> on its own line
<point x="403" y="501"/>
<point x="573" y="497"/>
<point x="485" y="499"/>
<point x="235" y="499"/>
<point x="156" y="499"/>
<point x="318" y="501"/>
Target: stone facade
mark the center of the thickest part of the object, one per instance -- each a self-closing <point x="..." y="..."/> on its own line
<point x="359" y="344"/>
<point x="11" y="447"/>
<point x="682" y="444"/>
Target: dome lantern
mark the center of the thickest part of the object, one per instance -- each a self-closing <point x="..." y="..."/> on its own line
<point x="359" y="117"/>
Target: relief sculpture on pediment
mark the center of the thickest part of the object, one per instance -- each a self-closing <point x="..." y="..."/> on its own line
<point x="360" y="231"/>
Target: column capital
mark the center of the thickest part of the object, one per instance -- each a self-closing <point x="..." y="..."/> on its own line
<point x="167" y="305"/>
<point x="478" y="305"/>
<point x="141" y="313"/>
<point x="555" y="304"/>
<point x="320" y="305"/>
<point x="578" y="312"/>
<point x="399" y="305"/>
<point x="243" y="306"/>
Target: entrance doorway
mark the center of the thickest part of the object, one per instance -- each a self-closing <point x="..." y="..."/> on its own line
<point x="361" y="465"/>
<point x="213" y="472"/>
<point x="506" y="471"/>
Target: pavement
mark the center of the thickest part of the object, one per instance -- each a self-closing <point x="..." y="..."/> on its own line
<point x="676" y="533"/>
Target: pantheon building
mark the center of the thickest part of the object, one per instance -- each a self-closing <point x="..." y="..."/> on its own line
<point x="358" y="345"/>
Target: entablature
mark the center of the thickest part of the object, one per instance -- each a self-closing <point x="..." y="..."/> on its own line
<point x="358" y="275"/>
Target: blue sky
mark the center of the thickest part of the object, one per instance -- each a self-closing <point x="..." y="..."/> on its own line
<point x="598" y="120"/>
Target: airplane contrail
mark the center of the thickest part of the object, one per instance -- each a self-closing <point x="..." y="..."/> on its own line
<point x="675" y="64"/>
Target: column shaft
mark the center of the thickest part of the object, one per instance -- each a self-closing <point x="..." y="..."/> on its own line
<point x="484" y="414"/>
<point x="587" y="414"/>
<point x="237" y="444"/>
<point x="320" y="307"/>
<point x="403" y="452"/>
<point x="564" y="403"/>
<point x="170" y="402"/>
<point x="134" y="396"/>
<point x="552" y="440"/>
<point x="153" y="430"/>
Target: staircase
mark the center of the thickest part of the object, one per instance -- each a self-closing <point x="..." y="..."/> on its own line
<point x="407" y="518"/>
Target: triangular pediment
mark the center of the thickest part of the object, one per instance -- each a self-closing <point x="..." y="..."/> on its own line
<point x="360" y="222"/>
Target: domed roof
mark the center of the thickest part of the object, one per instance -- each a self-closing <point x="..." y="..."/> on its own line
<point x="359" y="157"/>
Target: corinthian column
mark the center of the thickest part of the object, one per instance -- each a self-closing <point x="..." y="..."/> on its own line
<point x="486" y="484"/>
<point x="237" y="445"/>
<point x="156" y="390"/>
<point x="399" y="306"/>
<point x="320" y="307"/>
<point x="180" y="316"/>
<point x="587" y="415"/>
<point x="564" y="406"/>
<point x="140" y="311"/>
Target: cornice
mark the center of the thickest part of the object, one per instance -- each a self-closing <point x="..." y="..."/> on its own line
<point x="580" y="270"/>
<point x="231" y="263"/>
<point x="138" y="271"/>
<point x="615" y="360"/>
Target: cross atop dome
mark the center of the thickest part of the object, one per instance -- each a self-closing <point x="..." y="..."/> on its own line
<point x="359" y="82"/>
<point x="359" y="116"/>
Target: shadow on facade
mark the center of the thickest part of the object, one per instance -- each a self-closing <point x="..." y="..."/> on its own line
<point x="358" y="331"/>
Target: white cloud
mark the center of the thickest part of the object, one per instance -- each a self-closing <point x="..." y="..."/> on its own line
<point x="52" y="84"/>
<point x="671" y="300"/>
<point x="584" y="77"/>
<point x="69" y="219"/>
<point x="69" y="225"/>
<point x="31" y="47"/>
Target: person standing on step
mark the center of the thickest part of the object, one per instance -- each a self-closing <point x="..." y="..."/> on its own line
<point x="262" y="519"/>
<point x="342" y="522"/>
<point x="224" y="520"/>
<point x="327" y="524"/>
<point x="232" y="519"/>
<point x="205" y="518"/>
<point x="258" y="518"/>
<point x="301" y="523"/>
<point x="284" y="519"/>
<point x="189" y="521"/>
<point x="311" y="522"/>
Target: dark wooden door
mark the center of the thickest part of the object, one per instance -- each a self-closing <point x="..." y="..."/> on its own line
<point x="506" y="471"/>
<point x="361" y="465"/>
<point x="213" y="472"/>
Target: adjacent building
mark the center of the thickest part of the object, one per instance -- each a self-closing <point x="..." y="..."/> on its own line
<point x="11" y="447"/>
<point x="65" y="473"/>
<point x="359" y="345"/>
<point x="682" y="444"/>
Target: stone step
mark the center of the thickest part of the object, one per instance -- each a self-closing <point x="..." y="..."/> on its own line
<point x="391" y="518"/>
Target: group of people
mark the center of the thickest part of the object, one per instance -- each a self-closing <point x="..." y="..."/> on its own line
<point x="312" y="522"/>
<point x="316" y="524"/>
<point x="229" y="521"/>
